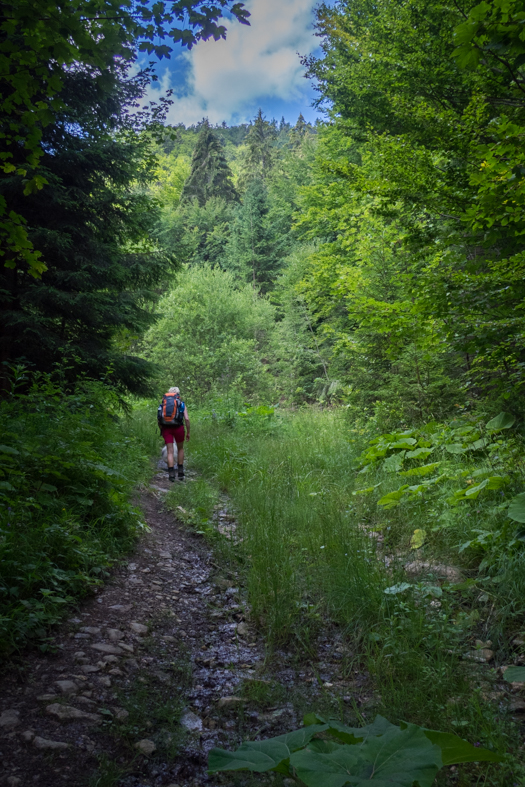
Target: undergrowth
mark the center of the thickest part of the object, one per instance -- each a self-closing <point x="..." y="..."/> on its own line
<point x="67" y="471"/>
<point x="402" y="540"/>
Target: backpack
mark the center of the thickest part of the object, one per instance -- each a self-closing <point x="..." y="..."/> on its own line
<point x="170" y="411"/>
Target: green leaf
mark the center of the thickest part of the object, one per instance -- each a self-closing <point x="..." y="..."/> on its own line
<point x="394" y="590"/>
<point x="477" y="444"/>
<point x="262" y="756"/>
<point x="422" y="470"/>
<point x="497" y="481"/>
<point x="516" y="510"/>
<point x="393" y="498"/>
<point x="515" y="674"/>
<point x="455" y="448"/>
<point x="501" y="421"/>
<point x="299" y="738"/>
<point x="365" y="491"/>
<point x="421" y="453"/>
<point x="350" y="735"/>
<point x="394" y="463"/>
<point x="399" y="757"/>
<point x="406" y="442"/>
<point x="455" y="750"/>
<point x="6" y="449"/>
<point x="48" y="488"/>
<point x="473" y="491"/>
<point x="257" y="756"/>
<point x="418" y="539"/>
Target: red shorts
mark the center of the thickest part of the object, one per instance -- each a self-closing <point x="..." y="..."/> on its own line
<point x="173" y="434"/>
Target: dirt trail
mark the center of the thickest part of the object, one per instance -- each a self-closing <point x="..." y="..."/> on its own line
<point x="168" y="634"/>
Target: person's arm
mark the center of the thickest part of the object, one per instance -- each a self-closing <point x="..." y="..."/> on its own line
<point x="187" y="421"/>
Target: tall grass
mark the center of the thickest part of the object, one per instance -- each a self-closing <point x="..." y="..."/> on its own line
<point x="318" y="556"/>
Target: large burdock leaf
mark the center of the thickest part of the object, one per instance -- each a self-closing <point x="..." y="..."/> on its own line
<point x="257" y="756"/>
<point x="455" y="448"/>
<point x="397" y="758"/>
<point x="262" y="756"/>
<point x="393" y="498"/>
<point x="515" y="674"/>
<point x="394" y="463"/>
<point x="299" y="738"/>
<point x="517" y="508"/>
<point x="455" y="750"/>
<point x="501" y="421"/>
<point x="421" y="470"/>
<point x="351" y="735"/>
<point x="419" y="453"/>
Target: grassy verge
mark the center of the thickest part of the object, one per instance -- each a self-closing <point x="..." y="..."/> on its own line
<point x="67" y="472"/>
<point x="326" y="533"/>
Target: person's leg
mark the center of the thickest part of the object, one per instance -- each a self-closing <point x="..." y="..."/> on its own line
<point x="180" y="460"/>
<point x="168" y="439"/>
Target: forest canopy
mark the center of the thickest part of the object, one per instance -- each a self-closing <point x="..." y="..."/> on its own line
<point x="386" y="240"/>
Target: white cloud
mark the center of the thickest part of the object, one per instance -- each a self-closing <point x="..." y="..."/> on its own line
<point x="226" y="77"/>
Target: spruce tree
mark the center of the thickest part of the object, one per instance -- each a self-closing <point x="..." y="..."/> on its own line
<point x="210" y="174"/>
<point x="92" y="222"/>
<point x="253" y="247"/>
<point x="299" y="131"/>
<point x="261" y="148"/>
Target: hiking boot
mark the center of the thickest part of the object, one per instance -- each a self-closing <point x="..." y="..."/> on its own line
<point x="180" y="470"/>
<point x="171" y="473"/>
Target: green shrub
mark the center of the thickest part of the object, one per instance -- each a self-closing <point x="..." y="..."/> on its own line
<point x="67" y="470"/>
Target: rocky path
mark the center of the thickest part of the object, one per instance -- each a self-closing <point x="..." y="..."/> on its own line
<point x="158" y="668"/>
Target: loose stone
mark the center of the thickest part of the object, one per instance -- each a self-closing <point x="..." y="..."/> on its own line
<point x="146" y="747"/>
<point x="122" y="608"/>
<point x="115" y="634"/>
<point x="69" y="713"/>
<point x="449" y="573"/>
<point x="138" y="628"/>
<point x="9" y="719"/>
<point x="103" y="647"/>
<point x="67" y="686"/>
<point x="190" y="721"/>
<point x="46" y="745"/>
<point x="517" y="705"/>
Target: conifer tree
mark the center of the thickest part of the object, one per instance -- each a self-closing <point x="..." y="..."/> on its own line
<point x="252" y="250"/>
<point x="93" y="226"/>
<point x="261" y="148"/>
<point x="299" y="131"/>
<point x="210" y="174"/>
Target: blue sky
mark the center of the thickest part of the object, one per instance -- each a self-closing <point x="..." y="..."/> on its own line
<point x="257" y="66"/>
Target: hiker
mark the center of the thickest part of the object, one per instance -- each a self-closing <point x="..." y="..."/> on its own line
<point x="172" y="415"/>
